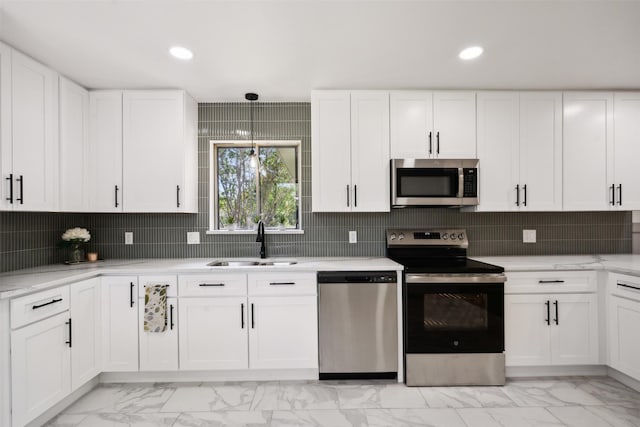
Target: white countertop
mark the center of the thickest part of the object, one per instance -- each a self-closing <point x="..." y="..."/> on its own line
<point x="625" y="264"/>
<point x="21" y="282"/>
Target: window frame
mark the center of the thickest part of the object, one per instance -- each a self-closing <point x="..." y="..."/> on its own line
<point x="212" y="197"/>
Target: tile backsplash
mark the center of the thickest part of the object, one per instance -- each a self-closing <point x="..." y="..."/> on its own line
<point x="29" y="239"/>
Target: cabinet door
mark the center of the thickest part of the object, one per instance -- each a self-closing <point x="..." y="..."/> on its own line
<point x="331" y="151"/>
<point x="574" y="329"/>
<point x="85" y="313"/>
<point x="527" y="340"/>
<point x="35" y="134"/>
<point x="283" y="332"/>
<point x="624" y="346"/>
<point x="588" y="130"/>
<point x="454" y="124"/>
<point x="153" y="150"/>
<point x="213" y="333"/>
<point x="498" y="150"/>
<point x="411" y="124"/>
<point x="370" y="151"/>
<point x="105" y="151"/>
<point x="40" y="367"/>
<point x="74" y="135"/>
<point x="541" y="151"/>
<point x="159" y="350"/>
<point x="119" y="324"/>
<point x="627" y="150"/>
<point x="6" y="150"/>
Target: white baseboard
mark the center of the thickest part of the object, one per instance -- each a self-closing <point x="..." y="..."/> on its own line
<point x="204" y="376"/>
<point x="556" y="371"/>
<point x="624" y="379"/>
<point x="60" y="406"/>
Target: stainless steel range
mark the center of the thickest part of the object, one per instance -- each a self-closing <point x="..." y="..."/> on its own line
<point x="453" y="310"/>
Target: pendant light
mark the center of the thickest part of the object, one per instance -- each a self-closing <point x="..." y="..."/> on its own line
<point x="253" y="157"/>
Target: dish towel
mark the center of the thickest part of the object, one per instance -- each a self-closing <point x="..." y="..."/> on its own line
<point x="155" y="308"/>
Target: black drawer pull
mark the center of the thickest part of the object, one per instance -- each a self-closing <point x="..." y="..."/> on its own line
<point x="624" y="285"/>
<point x="550" y="281"/>
<point x="282" y="283"/>
<point x="555" y="303"/>
<point x="211" y="284"/>
<point x="53" y="301"/>
<point x="70" y="332"/>
<point x="241" y="316"/>
<point x="548" y="313"/>
<point x="171" y="324"/>
<point x="131" y="301"/>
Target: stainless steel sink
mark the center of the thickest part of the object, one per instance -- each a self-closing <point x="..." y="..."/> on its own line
<point x="249" y="263"/>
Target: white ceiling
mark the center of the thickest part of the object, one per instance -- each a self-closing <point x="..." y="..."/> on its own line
<point x="283" y="49"/>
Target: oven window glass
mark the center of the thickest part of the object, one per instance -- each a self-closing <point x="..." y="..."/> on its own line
<point x="456" y="312"/>
<point x="440" y="182"/>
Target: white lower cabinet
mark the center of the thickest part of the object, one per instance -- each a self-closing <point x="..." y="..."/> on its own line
<point x="623" y="322"/>
<point x="119" y="320"/>
<point x="159" y="350"/>
<point x="85" y="314"/>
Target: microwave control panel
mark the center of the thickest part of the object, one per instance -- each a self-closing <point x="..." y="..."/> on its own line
<point x="470" y="182"/>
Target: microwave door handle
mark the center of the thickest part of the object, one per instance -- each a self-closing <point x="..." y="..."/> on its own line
<point x="460" y="183"/>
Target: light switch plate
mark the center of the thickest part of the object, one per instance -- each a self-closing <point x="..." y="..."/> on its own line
<point x="193" y="237"/>
<point x="353" y="237"/>
<point x="128" y="237"/>
<point x="528" y="236"/>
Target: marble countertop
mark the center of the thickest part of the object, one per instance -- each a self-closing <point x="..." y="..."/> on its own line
<point x="20" y="282"/>
<point x="625" y="264"/>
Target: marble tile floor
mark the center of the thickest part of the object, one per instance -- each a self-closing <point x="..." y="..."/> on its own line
<point x="572" y="401"/>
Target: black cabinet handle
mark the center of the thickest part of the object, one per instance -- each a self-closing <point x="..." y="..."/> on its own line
<point x="210" y="284"/>
<point x="21" y="198"/>
<point x="241" y="316"/>
<point x="116" y="198"/>
<point x="437" y="142"/>
<point x="53" y="301"/>
<point x="177" y="195"/>
<point x="171" y="324"/>
<point x="355" y="195"/>
<point x="10" y="179"/>
<point x="517" y="194"/>
<point x="556" y="306"/>
<point x="550" y="281"/>
<point x="69" y="342"/>
<point x="624" y="285"/>
<point x="430" y="144"/>
<point x="620" y="195"/>
<point x="281" y="283"/>
<point x="548" y="319"/>
<point x="347" y="196"/>
<point x="613" y="195"/>
<point x="131" y="295"/>
<point x="524" y="202"/>
<point x="253" y="323"/>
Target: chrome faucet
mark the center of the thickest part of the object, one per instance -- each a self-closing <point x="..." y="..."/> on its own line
<point x="260" y="238"/>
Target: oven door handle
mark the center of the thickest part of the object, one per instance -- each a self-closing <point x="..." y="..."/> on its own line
<point x="426" y="279"/>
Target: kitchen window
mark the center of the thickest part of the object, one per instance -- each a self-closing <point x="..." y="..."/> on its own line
<point x="247" y="188"/>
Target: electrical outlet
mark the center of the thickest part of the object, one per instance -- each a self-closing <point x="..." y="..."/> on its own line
<point x="528" y="236"/>
<point x="353" y="237"/>
<point x="193" y="237"/>
<point x="128" y="237"/>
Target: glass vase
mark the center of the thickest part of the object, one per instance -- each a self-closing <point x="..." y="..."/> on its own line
<point x="76" y="255"/>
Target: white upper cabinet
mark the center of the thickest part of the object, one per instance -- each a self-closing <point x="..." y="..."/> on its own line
<point x="74" y="138"/>
<point x="105" y="151"/>
<point x="29" y="149"/>
<point x="425" y="124"/>
<point x="159" y="142"/>
<point x="626" y="151"/>
<point x="350" y="151"/>
<point x="520" y="151"/>
<point x="588" y="137"/>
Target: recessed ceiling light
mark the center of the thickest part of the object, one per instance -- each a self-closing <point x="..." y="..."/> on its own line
<point x="471" y="52"/>
<point x="181" y="53"/>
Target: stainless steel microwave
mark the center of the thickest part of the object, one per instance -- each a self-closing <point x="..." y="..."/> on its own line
<point x="434" y="182"/>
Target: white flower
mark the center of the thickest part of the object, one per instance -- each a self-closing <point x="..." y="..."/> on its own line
<point x="76" y="234"/>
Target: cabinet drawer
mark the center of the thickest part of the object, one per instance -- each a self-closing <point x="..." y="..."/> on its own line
<point x="30" y="308"/>
<point x="167" y="279"/>
<point x="624" y="286"/>
<point x="282" y="284"/>
<point x="550" y="282"/>
<point x="212" y="285"/>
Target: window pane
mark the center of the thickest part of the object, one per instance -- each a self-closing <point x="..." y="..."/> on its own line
<point x="236" y="187"/>
<point x="278" y="186"/>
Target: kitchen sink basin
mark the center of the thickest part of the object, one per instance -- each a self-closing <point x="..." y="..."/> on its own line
<point x="249" y="263"/>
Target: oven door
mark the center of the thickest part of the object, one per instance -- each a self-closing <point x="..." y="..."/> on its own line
<point x="462" y="317"/>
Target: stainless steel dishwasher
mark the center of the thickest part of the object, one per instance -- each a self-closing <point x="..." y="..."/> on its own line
<point x="358" y="324"/>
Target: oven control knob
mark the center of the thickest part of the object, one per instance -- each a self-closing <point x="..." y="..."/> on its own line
<point x="392" y="236"/>
<point x="445" y="236"/>
<point x="453" y="236"/>
<point x="460" y="236"/>
<point x="401" y="236"/>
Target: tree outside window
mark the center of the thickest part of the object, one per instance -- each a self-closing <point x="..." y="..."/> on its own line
<point x="244" y="194"/>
